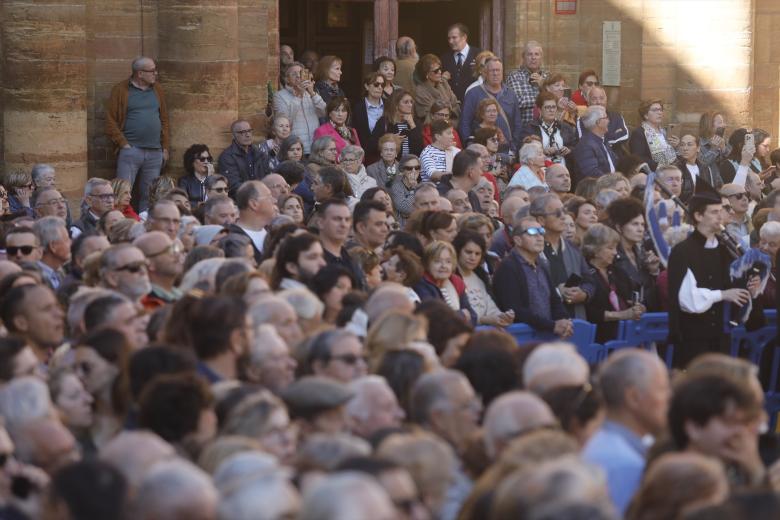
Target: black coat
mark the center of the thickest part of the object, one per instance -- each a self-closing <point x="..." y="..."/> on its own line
<point x="368" y="140"/>
<point x="705" y="172"/>
<point x="511" y="291"/>
<point x="196" y="190"/>
<point x="238" y="167"/>
<point x="599" y="303"/>
<point x="460" y="79"/>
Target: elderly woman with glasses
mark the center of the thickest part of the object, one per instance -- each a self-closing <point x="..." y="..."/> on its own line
<point x="20" y="188"/>
<point x="351" y="161"/>
<point x="404" y="186"/>
<point x="612" y="300"/>
<point x="198" y="163"/>
<point x="649" y="140"/>
<point x="558" y="137"/>
<point x="431" y="86"/>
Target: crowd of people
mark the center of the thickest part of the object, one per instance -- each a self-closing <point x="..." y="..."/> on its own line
<point x="312" y="324"/>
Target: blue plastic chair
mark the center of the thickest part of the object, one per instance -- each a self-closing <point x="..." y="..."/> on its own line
<point x="583" y="337"/>
<point x="652" y="327"/>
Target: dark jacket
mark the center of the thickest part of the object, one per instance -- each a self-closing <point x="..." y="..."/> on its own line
<point x="369" y="140"/>
<point x="238" y="166"/>
<point x="599" y="303"/>
<point x="511" y="291"/>
<point x="414" y="136"/>
<point x="617" y="132"/>
<point x="590" y="155"/>
<point x="86" y="223"/>
<point x="575" y="263"/>
<point x="637" y="145"/>
<point x="641" y="279"/>
<point x="427" y="290"/>
<point x="460" y="79"/>
<point x="196" y="190"/>
<point x="705" y="172"/>
<point x="568" y="134"/>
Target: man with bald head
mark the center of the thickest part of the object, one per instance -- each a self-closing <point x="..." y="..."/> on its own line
<point x="256" y="209"/>
<point x="511" y="415"/>
<point x="558" y="178"/>
<point x="635" y="387"/>
<point x="137" y="123"/>
<point x="277" y="185"/>
<point x="502" y="239"/>
<point x="166" y="259"/>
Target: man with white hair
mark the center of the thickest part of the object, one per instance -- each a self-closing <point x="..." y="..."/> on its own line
<point x="374" y="406"/>
<point x="133" y="453"/>
<point x="594" y="158"/>
<point x="635" y="388"/>
<point x="99" y="198"/>
<point x="617" y="132"/>
<point x="510" y="416"/>
<point x="55" y="243"/>
<point x="388" y="296"/>
<point x="270" y="363"/>
<point x="552" y="365"/>
<point x="347" y="496"/>
<point x="406" y="59"/>
<point x="176" y="490"/>
<point x="124" y="268"/>
<point x="273" y="310"/>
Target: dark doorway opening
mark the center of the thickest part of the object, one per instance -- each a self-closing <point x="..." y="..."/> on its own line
<point x="427" y="23"/>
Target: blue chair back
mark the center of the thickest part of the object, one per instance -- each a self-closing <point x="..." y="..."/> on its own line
<point x="651" y="327"/>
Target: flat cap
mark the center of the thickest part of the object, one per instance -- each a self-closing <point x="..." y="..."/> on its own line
<point x="311" y="395"/>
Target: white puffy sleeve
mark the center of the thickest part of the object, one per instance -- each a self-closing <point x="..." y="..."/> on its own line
<point x="740" y="177"/>
<point x="695" y="299"/>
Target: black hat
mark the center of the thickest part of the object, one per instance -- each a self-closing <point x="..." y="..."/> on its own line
<point x="311" y="395"/>
<point x="703" y="194"/>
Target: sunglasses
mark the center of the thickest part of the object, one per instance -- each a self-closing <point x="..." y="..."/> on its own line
<point x="377" y="84"/>
<point x="134" y="267"/>
<point x="349" y="359"/>
<point x="15" y="250"/>
<point x="219" y="190"/>
<point x="206" y="159"/>
<point x="557" y="213"/>
<point x="739" y="196"/>
<point x="412" y="168"/>
<point x="533" y="231"/>
<point x="436" y="70"/>
<point x="591" y="83"/>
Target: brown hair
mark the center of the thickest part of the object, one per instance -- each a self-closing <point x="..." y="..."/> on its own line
<point x="425" y="65"/>
<point x="644" y="107"/>
<point x="323" y="66"/>
<point x="337" y="102"/>
<point x="433" y="220"/>
<point x="409" y="263"/>
<point x="370" y="78"/>
<point x="705" y="123"/>
<point x="585" y="74"/>
<point x="544" y="96"/>
<point x="552" y="79"/>
<point x="391" y="105"/>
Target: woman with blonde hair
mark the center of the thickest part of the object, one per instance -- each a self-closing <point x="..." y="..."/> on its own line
<point x="393" y="331"/>
<point x="440" y="281"/>
<point x="614" y="181"/>
<point x="20" y="187"/>
<point x="123" y="193"/>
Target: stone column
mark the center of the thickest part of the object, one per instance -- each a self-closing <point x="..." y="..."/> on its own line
<point x="44" y="80"/>
<point x="198" y="62"/>
<point x="766" y="68"/>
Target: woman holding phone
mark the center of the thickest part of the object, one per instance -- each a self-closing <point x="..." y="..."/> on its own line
<point x="713" y="146"/>
<point x="745" y="156"/>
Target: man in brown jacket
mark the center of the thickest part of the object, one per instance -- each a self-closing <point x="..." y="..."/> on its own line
<point x="137" y="123"/>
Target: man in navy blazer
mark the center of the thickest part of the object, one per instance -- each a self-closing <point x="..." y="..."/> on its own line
<point x="461" y="61"/>
<point x="522" y="283"/>
<point x="593" y="156"/>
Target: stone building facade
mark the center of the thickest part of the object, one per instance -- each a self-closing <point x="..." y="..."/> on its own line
<point x="60" y="59"/>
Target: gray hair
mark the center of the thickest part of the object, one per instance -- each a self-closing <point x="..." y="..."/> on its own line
<point x="538" y="206"/>
<point x="629" y="368"/>
<point x="529" y="151"/>
<point x="139" y="62"/>
<point x="769" y="230"/>
<point x="512" y="414"/>
<point x="676" y="234"/>
<point x="173" y="489"/>
<point x="93" y="183"/>
<point x="344" y="495"/>
<point x="531" y="44"/>
<point x="554" y="364"/>
<point x="426" y="186"/>
<point x="251" y="416"/>
<point x="592" y="116"/>
<point x="352" y="149"/>
<point x="326" y="451"/>
<point x="263" y="310"/>
<point x="78" y="303"/>
<point x="24" y="399"/>
<point x="204" y="272"/>
<point x="251" y="487"/>
<point x="47" y="229"/>
<point x="593" y="89"/>
<point x="598" y="236"/>
<point x="405" y="47"/>
<point x="38" y="192"/>
<point x="318" y="146"/>
<point x="431" y="391"/>
<point x="265" y="333"/>
<point x="304" y="302"/>
<point x="363" y="389"/>
<point x="186" y="220"/>
<point x="38" y="170"/>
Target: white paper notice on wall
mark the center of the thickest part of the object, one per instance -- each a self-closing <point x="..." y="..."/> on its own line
<point x="610" y="57"/>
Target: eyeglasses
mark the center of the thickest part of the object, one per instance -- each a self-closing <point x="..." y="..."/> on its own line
<point x="206" y="159"/>
<point x="411" y="168"/>
<point x="134" y="267"/>
<point x="549" y="107"/>
<point x="557" y="213"/>
<point x="15" y="250"/>
<point x="220" y="190"/>
<point x="153" y="71"/>
<point x="533" y="231"/>
<point x="493" y="139"/>
<point x="52" y="203"/>
<point x="175" y="249"/>
<point x="377" y="84"/>
<point x="443" y="115"/>
<point x="104" y="196"/>
<point x="349" y="359"/>
<point x="351" y="160"/>
<point x="245" y="132"/>
<point x="3" y="194"/>
<point x="332" y="150"/>
<point x="739" y="196"/>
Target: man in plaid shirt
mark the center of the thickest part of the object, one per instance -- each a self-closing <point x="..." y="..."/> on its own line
<point x="526" y="81"/>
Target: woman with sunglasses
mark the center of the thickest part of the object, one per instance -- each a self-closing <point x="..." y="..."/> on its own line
<point x="587" y="80"/>
<point x="20" y="187"/>
<point x="404" y="185"/>
<point x="612" y="300"/>
<point x="431" y="86"/>
<point x="367" y="114"/>
<point x="216" y="186"/>
<point x="198" y="163"/>
<point x="440" y="111"/>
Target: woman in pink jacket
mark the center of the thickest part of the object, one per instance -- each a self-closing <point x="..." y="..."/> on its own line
<point x="336" y="126"/>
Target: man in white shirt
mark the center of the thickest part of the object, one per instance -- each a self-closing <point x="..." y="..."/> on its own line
<point x="256" y="209"/>
<point x="699" y="282"/>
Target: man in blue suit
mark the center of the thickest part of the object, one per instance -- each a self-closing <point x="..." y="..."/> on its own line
<point x="593" y="156"/>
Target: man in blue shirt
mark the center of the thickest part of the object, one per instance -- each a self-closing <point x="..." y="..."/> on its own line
<point x="509" y="120"/>
<point x="635" y="386"/>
